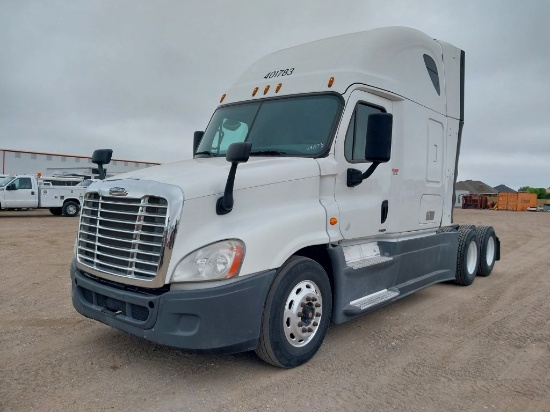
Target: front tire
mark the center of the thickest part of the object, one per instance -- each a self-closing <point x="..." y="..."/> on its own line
<point x="296" y="314"/>
<point x="70" y="209"/>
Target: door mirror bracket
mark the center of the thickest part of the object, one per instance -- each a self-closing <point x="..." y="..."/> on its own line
<point x="236" y="153"/>
<point x="356" y="177"/>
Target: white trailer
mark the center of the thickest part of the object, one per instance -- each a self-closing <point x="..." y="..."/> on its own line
<point x="32" y="192"/>
<point x="321" y="189"/>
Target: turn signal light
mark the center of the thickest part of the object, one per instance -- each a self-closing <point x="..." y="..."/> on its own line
<point x="330" y="82"/>
<point x="254" y="91"/>
<point x="266" y="89"/>
<point x="222" y="98"/>
<point x="333" y="221"/>
<point x="278" y="87"/>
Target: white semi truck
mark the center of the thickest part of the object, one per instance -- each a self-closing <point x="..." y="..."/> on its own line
<point x="321" y="189"/>
<point x="33" y="192"/>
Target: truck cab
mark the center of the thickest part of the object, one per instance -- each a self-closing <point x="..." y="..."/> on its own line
<point x="19" y="192"/>
<point x="321" y="189"/>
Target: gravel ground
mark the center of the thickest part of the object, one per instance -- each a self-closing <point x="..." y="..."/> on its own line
<point x="445" y="348"/>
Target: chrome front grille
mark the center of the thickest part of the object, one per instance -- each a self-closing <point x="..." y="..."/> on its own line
<point x="123" y="236"/>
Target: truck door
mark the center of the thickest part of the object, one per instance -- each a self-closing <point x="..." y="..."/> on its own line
<point x="364" y="209"/>
<point x="21" y="194"/>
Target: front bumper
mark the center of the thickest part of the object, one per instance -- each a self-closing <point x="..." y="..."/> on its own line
<point x="226" y="318"/>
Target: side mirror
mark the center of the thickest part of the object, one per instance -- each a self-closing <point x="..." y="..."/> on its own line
<point x="377" y="146"/>
<point x="236" y="153"/>
<point x="102" y="157"/>
<point x="11" y="186"/>
<point x="379" y="131"/>
<point x="197" y="137"/>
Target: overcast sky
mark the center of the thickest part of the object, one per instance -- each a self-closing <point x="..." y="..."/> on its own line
<point x="140" y="76"/>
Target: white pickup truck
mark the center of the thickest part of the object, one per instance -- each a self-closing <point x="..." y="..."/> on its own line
<point x="30" y="192"/>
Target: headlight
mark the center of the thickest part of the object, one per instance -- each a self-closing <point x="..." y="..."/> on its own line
<point x="221" y="260"/>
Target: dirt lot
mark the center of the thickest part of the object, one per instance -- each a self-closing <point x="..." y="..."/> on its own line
<point x="446" y="348"/>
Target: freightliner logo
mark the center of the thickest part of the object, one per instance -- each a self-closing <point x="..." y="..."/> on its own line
<point x="118" y="191"/>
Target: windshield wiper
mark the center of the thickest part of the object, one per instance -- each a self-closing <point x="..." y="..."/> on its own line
<point x="267" y="153"/>
<point x="205" y="153"/>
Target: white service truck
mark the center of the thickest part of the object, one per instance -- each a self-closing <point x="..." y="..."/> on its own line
<point x="33" y="192"/>
<point x="321" y="189"/>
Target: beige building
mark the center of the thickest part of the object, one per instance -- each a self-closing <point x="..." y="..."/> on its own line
<point x="56" y="164"/>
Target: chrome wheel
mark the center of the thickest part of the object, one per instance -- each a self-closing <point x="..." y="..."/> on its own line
<point x="303" y="313"/>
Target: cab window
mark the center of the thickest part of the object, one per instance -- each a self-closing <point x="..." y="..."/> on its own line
<point x="23" y="183"/>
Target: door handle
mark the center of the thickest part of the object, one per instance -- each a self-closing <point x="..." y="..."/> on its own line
<point x="384" y="211"/>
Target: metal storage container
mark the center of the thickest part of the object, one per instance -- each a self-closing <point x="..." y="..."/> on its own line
<point x="526" y="200"/>
<point x="502" y="200"/>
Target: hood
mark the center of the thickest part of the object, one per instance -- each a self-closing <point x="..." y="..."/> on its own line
<point x="207" y="176"/>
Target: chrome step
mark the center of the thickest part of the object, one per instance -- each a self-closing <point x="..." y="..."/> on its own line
<point x="374" y="299"/>
<point x="372" y="261"/>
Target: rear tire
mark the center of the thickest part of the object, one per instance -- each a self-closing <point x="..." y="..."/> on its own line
<point x="296" y="314"/>
<point x="487" y="241"/>
<point x="467" y="257"/>
<point x="70" y="208"/>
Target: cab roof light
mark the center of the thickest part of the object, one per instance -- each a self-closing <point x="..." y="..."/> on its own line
<point x="278" y="87"/>
<point x="330" y="82"/>
<point x="254" y="91"/>
<point x="222" y="98"/>
<point x="266" y="89"/>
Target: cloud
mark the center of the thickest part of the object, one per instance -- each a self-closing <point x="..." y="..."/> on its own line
<point x="141" y="76"/>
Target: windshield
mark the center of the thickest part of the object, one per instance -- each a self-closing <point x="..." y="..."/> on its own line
<point x="5" y="180"/>
<point x="297" y="126"/>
